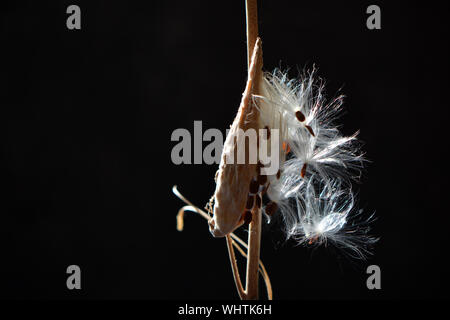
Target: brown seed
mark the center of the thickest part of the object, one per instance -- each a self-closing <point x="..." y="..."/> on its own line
<point x="303" y="171"/>
<point x="271" y="208"/>
<point x="278" y="174"/>
<point x="211" y="224"/>
<point x="265" y="188"/>
<point x="259" y="165"/>
<point x="286" y="148"/>
<point x="300" y="116"/>
<point x="247" y="217"/>
<point x="258" y="201"/>
<point x="312" y="240"/>
<point x="267" y="132"/>
<point x="250" y="201"/>
<point x="262" y="179"/>
<point x="254" y="187"/>
<point x="310" y="130"/>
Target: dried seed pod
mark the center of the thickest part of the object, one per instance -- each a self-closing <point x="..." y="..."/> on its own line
<point x="234" y="180"/>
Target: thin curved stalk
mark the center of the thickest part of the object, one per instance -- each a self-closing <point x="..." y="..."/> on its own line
<point x="236" y="241"/>
<point x="234" y="267"/>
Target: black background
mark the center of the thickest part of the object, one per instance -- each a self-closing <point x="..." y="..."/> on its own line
<point x="87" y="116"/>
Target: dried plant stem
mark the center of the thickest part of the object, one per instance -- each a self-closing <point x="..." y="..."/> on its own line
<point x="254" y="243"/>
<point x="234" y="267"/>
<point x="262" y="269"/>
<point x="254" y="236"/>
<point x="251" y="10"/>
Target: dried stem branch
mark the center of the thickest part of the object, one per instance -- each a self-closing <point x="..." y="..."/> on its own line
<point x="262" y="269"/>
<point x="254" y="242"/>
<point x="254" y="236"/>
<point x="251" y="10"/>
<point x="234" y="267"/>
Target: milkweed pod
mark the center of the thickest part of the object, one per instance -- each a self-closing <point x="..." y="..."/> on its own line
<point x="234" y="179"/>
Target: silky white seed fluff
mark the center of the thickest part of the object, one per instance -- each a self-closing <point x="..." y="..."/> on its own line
<point x="326" y="213"/>
<point x="327" y="152"/>
<point x="328" y="160"/>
